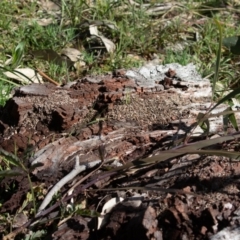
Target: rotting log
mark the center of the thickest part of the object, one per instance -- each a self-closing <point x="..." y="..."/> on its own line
<point x="129" y="112"/>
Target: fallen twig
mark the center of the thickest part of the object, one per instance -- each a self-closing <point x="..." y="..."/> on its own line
<point x="47" y="77"/>
<point x="77" y="169"/>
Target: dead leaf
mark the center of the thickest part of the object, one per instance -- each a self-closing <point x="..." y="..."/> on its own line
<point x="24" y="75"/>
<point x="109" y="45"/>
<point x="44" y="21"/>
<point x="19" y="220"/>
<point x="49" y="5"/>
<point x="79" y="65"/>
<point x="108" y="206"/>
<point x="72" y="53"/>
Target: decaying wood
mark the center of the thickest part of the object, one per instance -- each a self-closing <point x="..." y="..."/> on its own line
<point x="128" y="112"/>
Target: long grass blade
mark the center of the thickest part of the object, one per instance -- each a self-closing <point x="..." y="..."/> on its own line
<point x="215" y="79"/>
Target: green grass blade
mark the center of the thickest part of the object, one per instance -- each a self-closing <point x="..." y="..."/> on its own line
<point x="227" y="97"/>
<point x="173" y="153"/>
<point x="18" y="54"/>
<point x="16" y="72"/>
<point x="215" y="79"/>
<point x="11" y="158"/>
<point x="10" y="173"/>
<point x="233" y="121"/>
<point x="9" y="81"/>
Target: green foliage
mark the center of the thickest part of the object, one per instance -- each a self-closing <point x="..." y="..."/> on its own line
<point x="5" y="90"/>
<point x="182" y="57"/>
<point x="216" y="72"/>
<point x="17" y="54"/>
<point x="137" y="35"/>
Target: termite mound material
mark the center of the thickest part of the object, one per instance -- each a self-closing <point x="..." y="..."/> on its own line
<point x="158" y="98"/>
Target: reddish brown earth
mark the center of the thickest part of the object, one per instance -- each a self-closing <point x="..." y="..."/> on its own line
<point x="191" y="197"/>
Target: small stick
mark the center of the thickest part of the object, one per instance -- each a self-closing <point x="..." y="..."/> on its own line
<point x="47" y="77"/>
